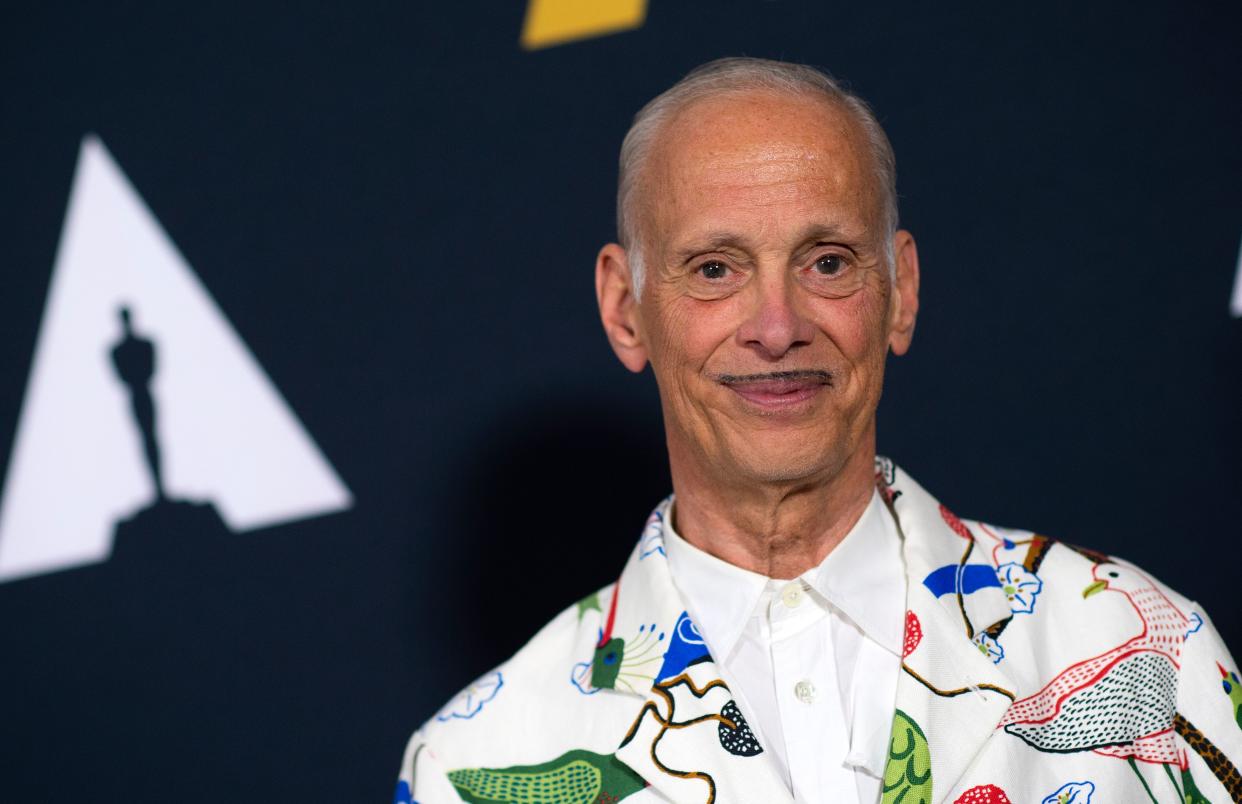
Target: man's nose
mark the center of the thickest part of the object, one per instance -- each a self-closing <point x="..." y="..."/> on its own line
<point x="775" y="324"/>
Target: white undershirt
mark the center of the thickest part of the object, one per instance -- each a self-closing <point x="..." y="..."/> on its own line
<point x="812" y="662"/>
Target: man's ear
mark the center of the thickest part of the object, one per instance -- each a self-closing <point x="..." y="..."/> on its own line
<point x="904" y="306"/>
<point x="618" y="306"/>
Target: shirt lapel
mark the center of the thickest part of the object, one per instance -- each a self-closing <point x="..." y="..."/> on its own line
<point x="950" y="695"/>
<point x="688" y="737"/>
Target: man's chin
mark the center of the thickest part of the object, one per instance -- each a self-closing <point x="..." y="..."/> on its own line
<point x="783" y="468"/>
<point x="811" y="454"/>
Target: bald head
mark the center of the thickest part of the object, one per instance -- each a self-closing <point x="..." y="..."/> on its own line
<point x="720" y="95"/>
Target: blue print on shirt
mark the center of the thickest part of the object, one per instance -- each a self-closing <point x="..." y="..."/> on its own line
<point x="953" y="578"/>
<point x="685" y="648"/>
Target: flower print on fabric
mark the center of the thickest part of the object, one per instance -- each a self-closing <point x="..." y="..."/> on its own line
<point x="1020" y="585"/>
<point x="580" y="677"/>
<point x="1072" y="793"/>
<point x="652" y="540"/>
<point x="989" y="647"/>
<point x="885" y="477"/>
<point x="885" y="470"/>
<point x="1196" y="622"/>
<point x="470" y="701"/>
<point x="1018" y="556"/>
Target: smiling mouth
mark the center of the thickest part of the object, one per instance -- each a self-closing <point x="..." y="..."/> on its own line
<point x="777" y="389"/>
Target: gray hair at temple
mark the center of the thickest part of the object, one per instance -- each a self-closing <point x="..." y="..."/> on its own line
<point x="735" y="74"/>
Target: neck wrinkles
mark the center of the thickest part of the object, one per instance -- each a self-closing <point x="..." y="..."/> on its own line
<point x="776" y="531"/>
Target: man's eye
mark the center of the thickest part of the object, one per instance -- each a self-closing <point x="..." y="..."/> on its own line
<point x="829" y="264"/>
<point x="713" y="269"/>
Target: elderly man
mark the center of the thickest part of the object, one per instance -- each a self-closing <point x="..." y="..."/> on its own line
<point x="801" y="621"/>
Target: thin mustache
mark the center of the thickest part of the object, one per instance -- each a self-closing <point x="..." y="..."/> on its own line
<point x="818" y="375"/>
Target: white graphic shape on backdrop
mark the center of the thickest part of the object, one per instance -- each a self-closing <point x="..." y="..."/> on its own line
<point x="226" y="435"/>
<point x="1235" y="306"/>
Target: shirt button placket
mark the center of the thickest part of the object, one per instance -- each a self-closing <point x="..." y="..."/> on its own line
<point x="804" y="691"/>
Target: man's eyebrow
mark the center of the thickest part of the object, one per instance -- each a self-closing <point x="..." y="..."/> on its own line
<point x="817" y="232"/>
<point x="711" y="241"/>
<point x="724" y="240"/>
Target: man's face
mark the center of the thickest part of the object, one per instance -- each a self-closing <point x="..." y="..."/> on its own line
<point x="767" y="309"/>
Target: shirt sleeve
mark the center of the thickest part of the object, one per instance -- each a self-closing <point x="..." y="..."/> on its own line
<point x="1209" y="715"/>
<point x="422" y="779"/>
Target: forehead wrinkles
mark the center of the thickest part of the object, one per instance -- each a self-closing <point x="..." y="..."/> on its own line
<point x="756" y="150"/>
<point x="770" y="172"/>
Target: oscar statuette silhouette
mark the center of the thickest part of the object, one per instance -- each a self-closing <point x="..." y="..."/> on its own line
<point x="165" y="524"/>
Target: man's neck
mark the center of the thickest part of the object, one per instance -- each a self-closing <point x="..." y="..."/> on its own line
<point x="779" y="530"/>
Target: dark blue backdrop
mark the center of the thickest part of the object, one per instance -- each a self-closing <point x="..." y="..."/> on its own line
<point x="398" y="209"/>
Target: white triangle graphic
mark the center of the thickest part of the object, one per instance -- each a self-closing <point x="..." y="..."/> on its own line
<point x="1235" y="304"/>
<point x="226" y="436"/>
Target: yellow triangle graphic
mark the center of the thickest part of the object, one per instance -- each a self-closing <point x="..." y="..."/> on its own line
<point x="555" y="22"/>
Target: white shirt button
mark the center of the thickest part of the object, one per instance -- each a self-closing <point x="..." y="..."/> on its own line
<point x="805" y="691"/>
<point x="792" y="595"/>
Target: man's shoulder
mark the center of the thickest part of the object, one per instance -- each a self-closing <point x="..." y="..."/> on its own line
<point x="537" y="704"/>
<point x="1026" y="560"/>
<point x="1068" y="603"/>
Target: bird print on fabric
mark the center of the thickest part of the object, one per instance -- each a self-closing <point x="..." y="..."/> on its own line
<point x="1122" y="702"/>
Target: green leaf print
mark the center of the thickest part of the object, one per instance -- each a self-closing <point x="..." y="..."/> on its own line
<point x="575" y="777"/>
<point x="907" y="774"/>
<point x="1190" y="791"/>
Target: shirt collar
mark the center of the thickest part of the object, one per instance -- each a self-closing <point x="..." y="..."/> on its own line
<point x="863" y="576"/>
<point x="721" y="596"/>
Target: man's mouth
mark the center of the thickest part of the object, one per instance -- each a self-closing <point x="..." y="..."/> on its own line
<point x="777" y="389"/>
